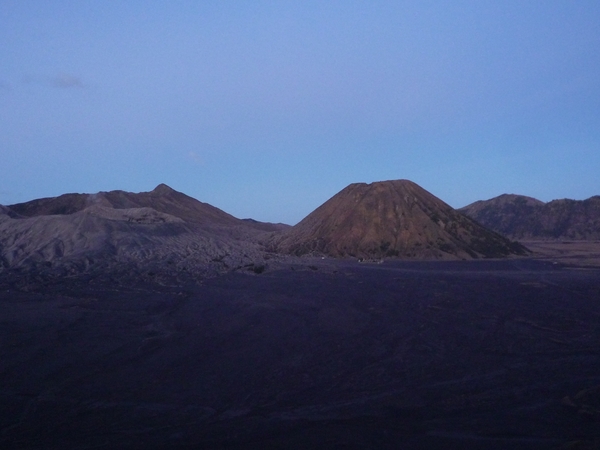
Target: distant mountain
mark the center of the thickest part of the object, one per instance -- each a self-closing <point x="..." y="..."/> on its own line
<point x="266" y="226"/>
<point x="162" y="199"/>
<point x="162" y="226"/>
<point x="392" y="219"/>
<point x="521" y="217"/>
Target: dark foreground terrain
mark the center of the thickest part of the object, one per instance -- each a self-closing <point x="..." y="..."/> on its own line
<point x="415" y="355"/>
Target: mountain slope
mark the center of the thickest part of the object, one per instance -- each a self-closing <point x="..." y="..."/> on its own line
<point x="522" y="217"/>
<point x="162" y="199"/>
<point x="392" y="218"/>
<point x="153" y="227"/>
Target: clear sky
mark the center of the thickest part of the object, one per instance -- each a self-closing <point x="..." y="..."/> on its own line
<point x="266" y="109"/>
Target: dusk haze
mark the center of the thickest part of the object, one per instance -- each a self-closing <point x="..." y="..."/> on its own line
<point x="267" y="109"/>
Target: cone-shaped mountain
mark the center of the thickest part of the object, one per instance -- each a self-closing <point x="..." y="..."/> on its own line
<point x="393" y="218"/>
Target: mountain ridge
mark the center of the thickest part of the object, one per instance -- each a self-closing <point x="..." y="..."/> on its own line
<point x="118" y="227"/>
<point x="163" y="199"/>
<point x="387" y="219"/>
<point x="521" y="217"/>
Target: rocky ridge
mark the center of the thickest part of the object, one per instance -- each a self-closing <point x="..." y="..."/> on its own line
<point x="521" y="217"/>
<point x="161" y="228"/>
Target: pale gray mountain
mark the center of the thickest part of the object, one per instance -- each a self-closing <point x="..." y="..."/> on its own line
<point x="156" y="227"/>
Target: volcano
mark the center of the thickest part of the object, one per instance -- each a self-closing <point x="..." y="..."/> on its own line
<point x="393" y="219"/>
<point x="163" y="200"/>
<point x="162" y="227"/>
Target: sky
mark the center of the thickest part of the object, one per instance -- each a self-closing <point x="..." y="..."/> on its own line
<point x="266" y="109"/>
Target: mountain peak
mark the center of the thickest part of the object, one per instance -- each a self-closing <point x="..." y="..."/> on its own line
<point x="162" y="189"/>
<point x="383" y="183"/>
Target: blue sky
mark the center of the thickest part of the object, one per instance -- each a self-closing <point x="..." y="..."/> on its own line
<point x="266" y="109"/>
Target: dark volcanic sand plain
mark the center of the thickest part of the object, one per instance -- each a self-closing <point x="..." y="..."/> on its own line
<point x="580" y="253"/>
<point x="487" y="354"/>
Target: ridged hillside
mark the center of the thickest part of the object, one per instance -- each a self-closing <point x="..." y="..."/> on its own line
<point x="162" y="199"/>
<point x="521" y="217"/>
<point x="392" y="219"/>
<point x="162" y="226"/>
